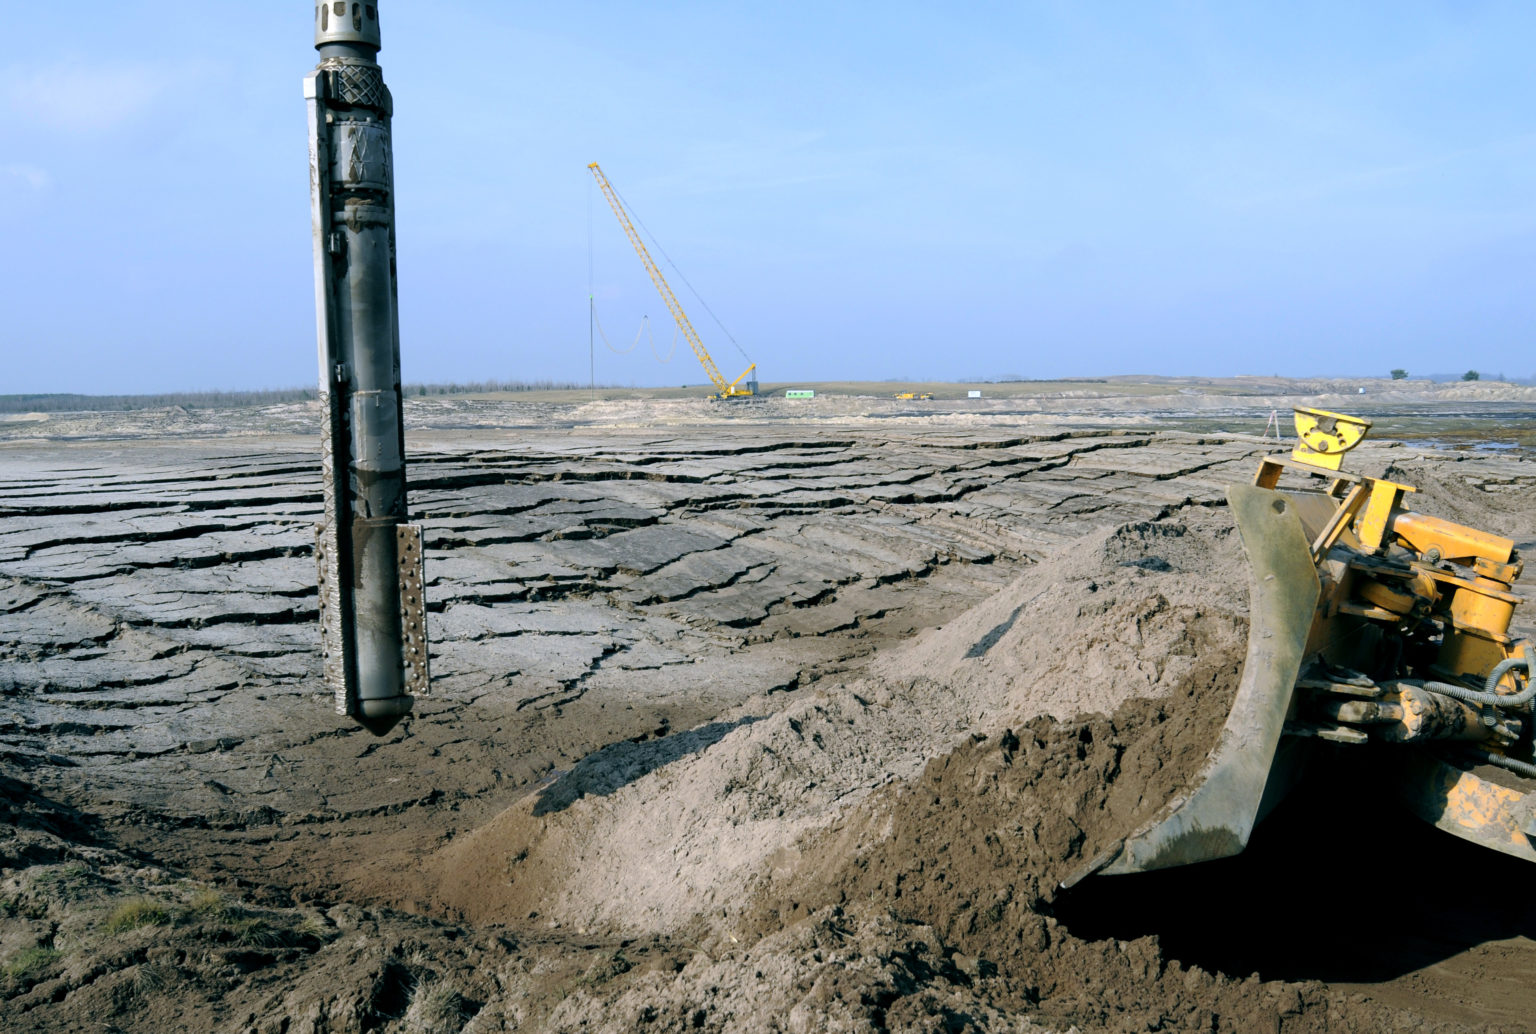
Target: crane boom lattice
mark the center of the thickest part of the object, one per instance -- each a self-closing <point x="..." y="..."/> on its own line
<point x="723" y="388"/>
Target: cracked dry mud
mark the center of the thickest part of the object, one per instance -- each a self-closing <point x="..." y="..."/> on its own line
<point x="757" y="725"/>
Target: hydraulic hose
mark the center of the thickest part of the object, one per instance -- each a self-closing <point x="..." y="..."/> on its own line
<point x="1489" y="694"/>
<point x="1523" y="661"/>
<point x="1518" y="767"/>
<point x="1490" y="697"/>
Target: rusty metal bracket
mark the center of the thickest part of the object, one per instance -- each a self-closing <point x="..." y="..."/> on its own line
<point x="1339" y="521"/>
<point x="413" y="610"/>
<point x="333" y="650"/>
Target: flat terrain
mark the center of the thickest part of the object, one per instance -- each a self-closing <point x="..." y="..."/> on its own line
<point x="703" y="674"/>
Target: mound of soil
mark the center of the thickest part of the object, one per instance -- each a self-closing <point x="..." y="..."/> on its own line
<point x="931" y="910"/>
<point x="682" y="823"/>
<point x="1149" y="609"/>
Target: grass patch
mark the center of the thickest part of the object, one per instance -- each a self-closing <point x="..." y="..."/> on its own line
<point x="206" y="905"/>
<point x="63" y="875"/>
<point x="58" y="883"/>
<point x="29" y="961"/>
<point x="136" y="914"/>
<point x="256" y="932"/>
<point x="314" y="930"/>
<point x="436" y="1007"/>
<point x="263" y="933"/>
<point x="151" y="980"/>
<point x="229" y="923"/>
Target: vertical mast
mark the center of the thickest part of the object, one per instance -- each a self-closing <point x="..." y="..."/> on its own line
<point x="372" y="611"/>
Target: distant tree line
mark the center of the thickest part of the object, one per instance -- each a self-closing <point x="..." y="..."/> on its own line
<point x="72" y="403"/>
<point x="1470" y="375"/>
<point x="69" y="403"/>
<point x="1017" y="378"/>
<point x="483" y="387"/>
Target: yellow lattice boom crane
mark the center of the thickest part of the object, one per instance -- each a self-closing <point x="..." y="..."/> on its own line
<point x="741" y="387"/>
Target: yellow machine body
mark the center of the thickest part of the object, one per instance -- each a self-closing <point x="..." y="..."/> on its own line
<point x="1376" y="629"/>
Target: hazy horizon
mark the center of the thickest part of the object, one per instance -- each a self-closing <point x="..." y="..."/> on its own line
<point x="18" y="401"/>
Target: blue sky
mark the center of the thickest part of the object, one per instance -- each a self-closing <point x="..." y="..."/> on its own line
<point x="858" y="190"/>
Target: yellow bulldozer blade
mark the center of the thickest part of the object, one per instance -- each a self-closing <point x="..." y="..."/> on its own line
<point x="1214" y="817"/>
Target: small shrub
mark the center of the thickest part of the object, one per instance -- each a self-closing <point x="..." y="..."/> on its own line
<point x="1398" y="375"/>
<point x="1471" y="375"/>
<point x="134" y="914"/>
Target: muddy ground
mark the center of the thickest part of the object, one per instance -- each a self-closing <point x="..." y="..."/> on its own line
<point x="776" y="718"/>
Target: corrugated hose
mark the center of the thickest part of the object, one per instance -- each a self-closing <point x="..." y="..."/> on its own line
<point x="1489" y="694"/>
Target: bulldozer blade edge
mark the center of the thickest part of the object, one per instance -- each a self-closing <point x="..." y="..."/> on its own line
<point x="1216" y="814"/>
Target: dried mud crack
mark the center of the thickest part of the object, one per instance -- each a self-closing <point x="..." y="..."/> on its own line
<point x="740" y="727"/>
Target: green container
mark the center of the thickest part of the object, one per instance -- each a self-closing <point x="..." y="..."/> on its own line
<point x="795" y="394"/>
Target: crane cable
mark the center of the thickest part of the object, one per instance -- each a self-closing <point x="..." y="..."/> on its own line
<point x="657" y="245"/>
<point x="676" y="333"/>
<point x="645" y="329"/>
<point x="595" y="326"/>
<point x="604" y="335"/>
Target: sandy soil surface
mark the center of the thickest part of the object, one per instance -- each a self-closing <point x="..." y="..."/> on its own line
<point x="755" y="718"/>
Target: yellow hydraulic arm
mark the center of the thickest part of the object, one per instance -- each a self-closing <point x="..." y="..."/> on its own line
<point x="723" y="388"/>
